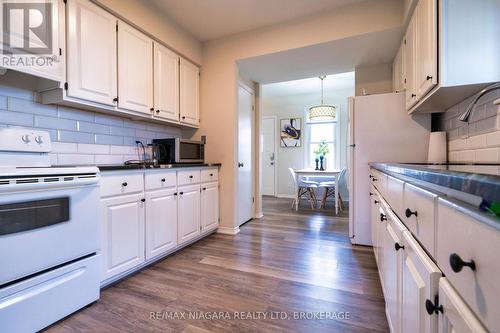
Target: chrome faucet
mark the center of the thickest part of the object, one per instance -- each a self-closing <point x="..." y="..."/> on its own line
<point x="465" y="116"/>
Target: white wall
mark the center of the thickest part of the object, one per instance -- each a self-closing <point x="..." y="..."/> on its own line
<point x="292" y="106"/>
<point x="219" y="75"/>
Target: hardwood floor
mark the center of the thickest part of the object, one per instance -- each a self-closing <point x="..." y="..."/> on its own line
<point x="283" y="264"/>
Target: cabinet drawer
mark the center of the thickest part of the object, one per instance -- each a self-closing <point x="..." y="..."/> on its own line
<point x="471" y="240"/>
<point x="158" y="180"/>
<point x="187" y="177"/>
<point x="209" y="175"/>
<point x="419" y="211"/>
<point x="395" y="194"/>
<point x="121" y="183"/>
<point x="379" y="180"/>
<point x="456" y="315"/>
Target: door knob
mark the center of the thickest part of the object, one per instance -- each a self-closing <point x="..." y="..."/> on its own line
<point x="240" y="165"/>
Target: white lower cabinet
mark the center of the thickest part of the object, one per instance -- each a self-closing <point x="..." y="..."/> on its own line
<point x="209" y="206"/>
<point x="189" y="213"/>
<point x="122" y="233"/>
<point x="161" y="222"/>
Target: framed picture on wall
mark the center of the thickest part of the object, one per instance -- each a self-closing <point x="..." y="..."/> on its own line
<point x="291" y="132"/>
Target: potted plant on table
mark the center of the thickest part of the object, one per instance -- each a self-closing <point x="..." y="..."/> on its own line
<point x="321" y="151"/>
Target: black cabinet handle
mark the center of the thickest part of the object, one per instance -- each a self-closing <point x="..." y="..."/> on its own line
<point x="409" y="213"/>
<point x="433" y="308"/>
<point x="457" y="263"/>
<point x="398" y="247"/>
<point x="428" y="77"/>
<point x="163" y="180"/>
<point x="143" y="200"/>
<point x="383" y="217"/>
<point x="240" y="165"/>
<point x="413" y="95"/>
<point x="124" y="184"/>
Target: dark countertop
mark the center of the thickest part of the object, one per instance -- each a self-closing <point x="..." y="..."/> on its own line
<point x="481" y="180"/>
<point x="117" y="167"/>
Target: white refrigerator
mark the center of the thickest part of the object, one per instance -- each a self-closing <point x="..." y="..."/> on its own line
<point x="380" y="130"/>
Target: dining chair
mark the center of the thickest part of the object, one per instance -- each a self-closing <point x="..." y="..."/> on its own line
<point x="303" y="189"/>
<point x="329" y="189"/>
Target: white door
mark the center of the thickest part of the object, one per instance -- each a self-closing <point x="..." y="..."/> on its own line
<point x="426" y="46"/>
<point x="409" y="59"/>
<point x="135" y="70"/>
<point x="122" y="234"/>
<point x="420" y="279"/>
<point x="268" y="155"/>
<point x="91" y="53"/>
<point x="189" y="93"/>
<point x="245" y="152"/>
<point x="188" y="226"/>
<point x="209" y="206"/>
<point x="161" y="222"/>
<point x="166" y="83"/>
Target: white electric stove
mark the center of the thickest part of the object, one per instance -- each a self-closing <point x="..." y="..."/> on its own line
<point x="49" y="233"/>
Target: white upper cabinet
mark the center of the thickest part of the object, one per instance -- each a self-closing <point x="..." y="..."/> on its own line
<point x="410" y="63"/>
<point x="166" y="83"/>
<point x="426" y="50"/>
<point x="189" y="93"/>
<point x="91" y="52"/>
<point x="135" y="70"/>
<point x="398" y="73"/>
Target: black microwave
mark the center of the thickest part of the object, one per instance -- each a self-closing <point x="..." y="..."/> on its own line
<point x="177" y="150"/>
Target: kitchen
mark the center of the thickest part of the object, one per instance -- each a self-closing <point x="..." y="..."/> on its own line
<point x="131" y="164"/>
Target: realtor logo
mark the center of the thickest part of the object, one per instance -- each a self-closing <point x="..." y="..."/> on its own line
<point x="27" y="28"/>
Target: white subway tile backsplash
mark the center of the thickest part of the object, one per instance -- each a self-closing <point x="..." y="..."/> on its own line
<point x="466" y="156"/>
<point x="121" y="131"/>
<point x="87" y="127"/>
<point x="476" y="141"/>
<point x="3" y="103"/>
<point x="69" y="113"/>
<point x="122" y="150"/>
<point x="28" y="106"/>
<point x="16" y="118"/>
<point x="489" y="155"/>
<point x="75" y="159"/>
<point x="108" y="120"/>
<point x="493" y="139"/>
<point x="55" y="123"/>
<point x="77" y="137"/>
<point x="64" y="147"/>
<point x="108" y="139"/>
<point x="85" y="148"/>
<point x="108" y="159"/>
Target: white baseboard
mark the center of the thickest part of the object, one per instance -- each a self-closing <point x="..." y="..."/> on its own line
<point x="259" y="215"/>
<point x="228" y="231"/>
<point x="286" y="196"/>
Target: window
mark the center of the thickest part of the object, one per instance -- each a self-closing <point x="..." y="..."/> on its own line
<point x="317" y="132"/>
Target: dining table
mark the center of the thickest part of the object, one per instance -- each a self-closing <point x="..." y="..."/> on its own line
<point x="328" y="173"/>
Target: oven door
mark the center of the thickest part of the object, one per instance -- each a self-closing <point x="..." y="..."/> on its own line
<point x="43" y="225"/>
<point x="190" y="152"/>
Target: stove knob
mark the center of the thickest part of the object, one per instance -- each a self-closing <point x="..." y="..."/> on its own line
<point x="39" y="139"/>
<point x="26" y="138"/>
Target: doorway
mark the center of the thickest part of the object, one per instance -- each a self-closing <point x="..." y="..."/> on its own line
<point x="246" y="202"/>
<point x="268" y="155"/>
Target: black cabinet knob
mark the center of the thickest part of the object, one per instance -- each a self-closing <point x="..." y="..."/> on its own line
<point x="183" y="117"/>
<point x="383" y="217"/>
<point x="371" y="194"/>
<point x="371" y="176"/>
<point x="211" y="175"/>
<point x="191" y="177"/>
<point x="143" y="200"/>
<point x="163" y="180"/>
<point x="409" y="213"/>
<point x="457" y="263"/>
<point x="376" y="202"/>
<point x="157" y="111"/>
<point x="429" y="77"/>
<point x="413" y="95"/>
<point x="240" y="165"/>
<point x="433" y="308"/>
<point x="398" y="247"/>
<point x="175" y="193"/>
<point x="181" y="193"/>
<point x="374" y="179"/>
<point x="115" y="99"/>
<point x="204" y="189"/>
<point x="124" y="184"/>
<point x="151" y="109"/>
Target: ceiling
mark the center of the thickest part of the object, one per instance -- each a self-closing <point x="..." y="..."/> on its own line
<point x="212" y="19"/>
<point x="338" y="56"/>
<point x="310" y="85"/>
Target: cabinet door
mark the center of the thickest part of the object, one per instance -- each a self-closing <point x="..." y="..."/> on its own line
<point x="409" y="65"/>
<point x="189" y="93"/>
<point x="398" y="77"/>
<point x="209" y="206"/>
<point x="91" y="52"/>
<point x="426" y="46"/>
<point x="161" y="222"/>
<point x="122" y="234"/>
<point x="455" y="315"/>
<point x="189" y="213"/>
<point x="420" y="278"/>
<point x="135" y="70"/>
<point x="375" y="218"/>
<point x="166" y="83"/>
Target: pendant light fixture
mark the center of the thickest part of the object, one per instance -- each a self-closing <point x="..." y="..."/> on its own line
<point x="322" y="111"/>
